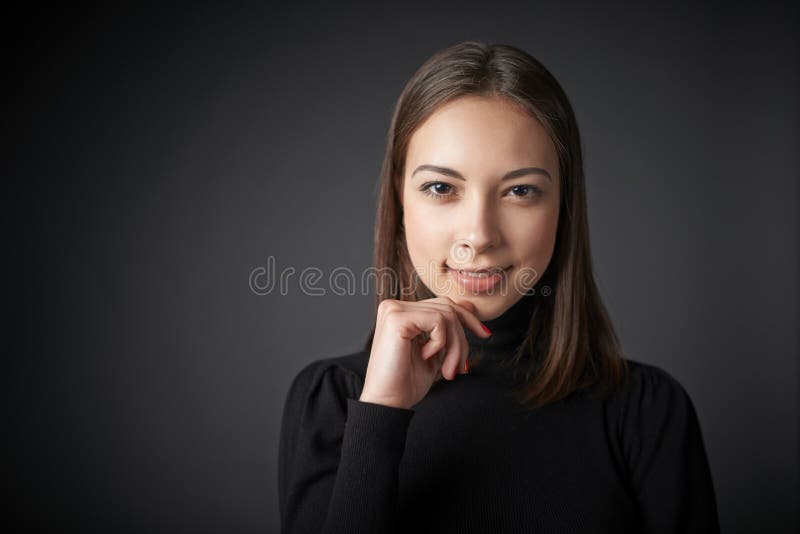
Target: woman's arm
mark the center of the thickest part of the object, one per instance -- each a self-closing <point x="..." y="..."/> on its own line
<point x="338" y="456"/>
<point x="667" y="462"/>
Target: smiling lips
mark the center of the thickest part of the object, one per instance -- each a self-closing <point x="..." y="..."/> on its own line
<point x="478" y="280"/>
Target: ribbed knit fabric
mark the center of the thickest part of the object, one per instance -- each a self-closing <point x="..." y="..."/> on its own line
<point x="467" y="459"/>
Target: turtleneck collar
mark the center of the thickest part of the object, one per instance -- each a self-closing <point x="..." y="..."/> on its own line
<point x="508" y="329"/>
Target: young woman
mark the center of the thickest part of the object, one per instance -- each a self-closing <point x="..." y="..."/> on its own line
<point x="492" y="394"/>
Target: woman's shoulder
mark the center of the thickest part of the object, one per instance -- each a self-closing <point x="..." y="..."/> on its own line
<point x="660" y="444"/>
<point x="352" y="364"/>
<point x="652" y="397"/>
<point x="340" y="376"/>
<point x="648" y="381"/>
<point x="649" y="371"/>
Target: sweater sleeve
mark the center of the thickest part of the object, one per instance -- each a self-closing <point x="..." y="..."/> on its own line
<point x="338" y="457"/>
<point x="666" y="458"/>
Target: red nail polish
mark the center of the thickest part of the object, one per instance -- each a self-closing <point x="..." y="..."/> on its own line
<point x="486" y="329"/>
<point x="466" y="366"/>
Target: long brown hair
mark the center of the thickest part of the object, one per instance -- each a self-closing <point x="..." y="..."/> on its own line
<point x="571" y="337"/>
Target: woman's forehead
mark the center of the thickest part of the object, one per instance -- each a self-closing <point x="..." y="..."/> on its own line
<point x="480" y="143"/>
<point x="481" y="135"/>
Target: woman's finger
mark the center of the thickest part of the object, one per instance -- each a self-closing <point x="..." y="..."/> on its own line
<point x="431" y="330"/>
<point x="457" y="347"/>
<point x="469" y="319"/>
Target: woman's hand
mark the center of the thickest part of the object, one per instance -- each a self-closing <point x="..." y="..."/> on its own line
<point x="415" y="344"/>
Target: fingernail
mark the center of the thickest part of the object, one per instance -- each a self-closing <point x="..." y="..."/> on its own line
<point x="466" y="366"/>
<point x="486" y="329"/>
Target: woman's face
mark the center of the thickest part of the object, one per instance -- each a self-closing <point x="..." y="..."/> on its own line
<point x="465" y="207"/>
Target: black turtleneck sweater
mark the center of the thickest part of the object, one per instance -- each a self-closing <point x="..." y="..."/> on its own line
<point x="467" y="459"/>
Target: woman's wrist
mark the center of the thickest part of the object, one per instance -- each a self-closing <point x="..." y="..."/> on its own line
<point x="385" y="401"/>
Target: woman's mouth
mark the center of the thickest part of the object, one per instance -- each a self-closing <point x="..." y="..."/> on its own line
<point x="479" y="280"/>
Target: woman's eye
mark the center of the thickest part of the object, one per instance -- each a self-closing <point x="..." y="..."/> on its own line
<point x="435" y="189"/>
<point x="525" y="191"/>
<point x="441" y="190"/>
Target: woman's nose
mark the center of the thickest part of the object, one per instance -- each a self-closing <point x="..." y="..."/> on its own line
<point x="478" y="225"/>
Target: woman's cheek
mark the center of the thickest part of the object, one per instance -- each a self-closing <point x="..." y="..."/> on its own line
<point x="418" y="241"/>
<point x="539" y="248"/>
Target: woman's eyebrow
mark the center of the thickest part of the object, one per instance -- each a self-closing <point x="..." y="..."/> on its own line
<point x="507" y="176"/>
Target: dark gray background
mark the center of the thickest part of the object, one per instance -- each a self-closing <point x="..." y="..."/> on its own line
<point x="157" y="156"/>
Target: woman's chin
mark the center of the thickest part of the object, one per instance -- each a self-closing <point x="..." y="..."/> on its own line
<point x="485" y="308"/>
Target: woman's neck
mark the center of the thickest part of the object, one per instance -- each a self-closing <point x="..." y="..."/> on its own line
<point x="508" y="329"/>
